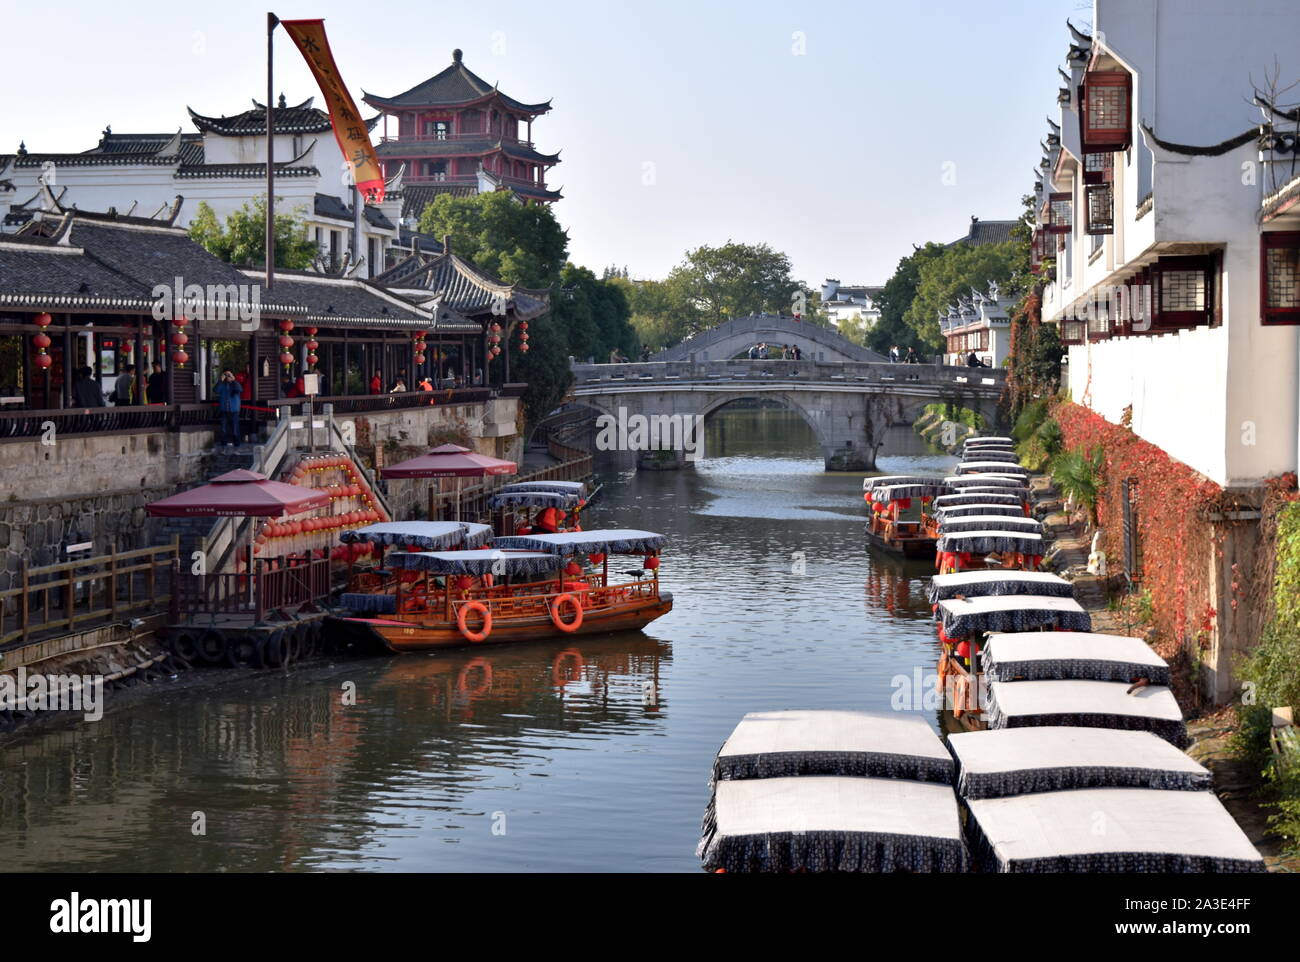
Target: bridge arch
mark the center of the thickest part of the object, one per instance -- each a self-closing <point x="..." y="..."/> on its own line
<point x="812" y="418"/>
<point x="734" y="337"/>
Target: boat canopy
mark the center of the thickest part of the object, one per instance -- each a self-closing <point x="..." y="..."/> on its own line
<point x="1011" y="613"/>
<point x="983" y="584"/>
<point x="1020" y="761"/>
<point x="823" y="791"/>
<point x="534" y="499"/>
<point x="992" y="467"/>
<point x="479" y="562"/>
<point x="832" y="824"/>
<point x="1011" y="509"/>
<point x="992" y="439"/>
<point x="964" y="482"/>
<point x="885" y="480"/>
<point x="978" y="496"/>
<point x="1145" y="831"/>
<point x="432" y="535"/>
<point x="894" y="492"/>
<point x="1085" y="704"/>
<point x="990" y="522"/>
<point x="773" y="744"/>
<point x="996" y="455"/>
<point x="988" y="541"/>
<point x="600" y="541"/>
<point x="555" y="487"/>
<point x="1067" y="655"/>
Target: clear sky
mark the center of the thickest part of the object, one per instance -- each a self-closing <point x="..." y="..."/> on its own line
<point x="839" y="132"/>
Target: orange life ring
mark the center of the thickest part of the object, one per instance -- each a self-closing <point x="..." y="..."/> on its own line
<point x="570" y="626"/>
<point x="484" y="612"/>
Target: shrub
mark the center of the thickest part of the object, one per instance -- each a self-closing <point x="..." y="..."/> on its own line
<point x="1079" y="475"/>
<point x="1031" y="416"/>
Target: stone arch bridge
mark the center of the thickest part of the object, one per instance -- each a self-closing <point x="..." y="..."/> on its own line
<point x="849" y="406"/>
<point x="733" y="337"/>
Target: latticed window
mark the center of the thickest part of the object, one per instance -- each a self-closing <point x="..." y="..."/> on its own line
<point x="1106" y="110"/>
<point x="1073" y="332"/>
<point x="1098" y="168"/>
<point x="1099" y="319"/>
<point x="1039" y="249"/>
<point x="1280" y="277"/>
<point x="1059" y="208"/>
<point x="1101" y="209"/>
<point x="1181" y="292"/>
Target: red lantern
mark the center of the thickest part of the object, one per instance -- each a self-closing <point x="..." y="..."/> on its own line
<point x="523" y="325"/>
<point x="419" y="359"/>
<point x="286" y="325"/>
<point x="42" y="320"/>
<point x="524" y="347"/>
<point x="652" y="563"/>
<point x="286" y="341"/>
<point x="42" y="341"/>
<point x="596" y="559"/>
<point x="127" y="347"/>
<point x="180" y="338"/>
<point x="312" y="345"/>
<point x="286" y="358"/>
<point x="572" y="569"/>
<point x="180" y="357"/>
<point x="42" y="360"/>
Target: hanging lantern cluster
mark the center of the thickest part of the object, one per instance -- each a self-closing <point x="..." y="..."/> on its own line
<point x="353" y="491"/>
<point x="179" y="340"/>
<point x="286" y="343"/>
<point x="41" y="341"/>
<point x="494" y="340"/>
<point x="312" y="346"/>
<point x="419" y="346"/>
<point x="523" y="336"/>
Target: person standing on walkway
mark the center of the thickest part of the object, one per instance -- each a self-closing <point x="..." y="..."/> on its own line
<point x="228" y="393"/>
<point x="155" y="389"/>
<point x="124" y="389"/>
<point x="893" y="354"/>
<point x="911" y="356"/>
<point x="85" y="391"/>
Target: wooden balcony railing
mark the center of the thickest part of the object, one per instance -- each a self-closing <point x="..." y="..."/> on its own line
<point x="27" y="425"/>
<point x="86" y="592"/>
<point x="274" y="585"/>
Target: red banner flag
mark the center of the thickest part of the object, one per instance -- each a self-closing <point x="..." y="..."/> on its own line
<point x="349" y="129"/>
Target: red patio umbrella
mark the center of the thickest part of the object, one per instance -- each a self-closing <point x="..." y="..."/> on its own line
<point x="450" y="461"/>
<point x="240" y="494"/>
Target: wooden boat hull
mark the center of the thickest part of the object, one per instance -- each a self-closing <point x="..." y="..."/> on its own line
<point x="408" y="634"/>
<point x="907" y="547"/>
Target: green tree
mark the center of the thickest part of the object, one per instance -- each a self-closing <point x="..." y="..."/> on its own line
<point x="242" y="240"/>
<point x="896" y="299"/>
<point x="944" y="278"/>
<point x="734" y="280"/>
<point x="519" y="243"/>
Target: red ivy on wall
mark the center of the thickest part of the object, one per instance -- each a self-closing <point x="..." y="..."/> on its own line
<point x="1176" y="541"/>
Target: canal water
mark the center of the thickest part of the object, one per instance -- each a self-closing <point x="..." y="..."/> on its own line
<point x="589" y="754"/>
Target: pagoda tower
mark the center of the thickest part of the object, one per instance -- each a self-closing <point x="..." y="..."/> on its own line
<point x="457" y="133"/>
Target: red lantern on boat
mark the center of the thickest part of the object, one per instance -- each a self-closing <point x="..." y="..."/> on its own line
<point x="464" y="582"/>
<point x="596" y="559"/>
<point x="652" y="563"/>
<point x="572" y="569"/>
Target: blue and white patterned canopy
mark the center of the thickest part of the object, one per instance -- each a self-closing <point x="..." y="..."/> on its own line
<point x="478" y="562"/>
<point x="433" y="535"/>
<point x="533" y="499"/>
<point x="555" y="487"/>
<point x="607" y="541"/>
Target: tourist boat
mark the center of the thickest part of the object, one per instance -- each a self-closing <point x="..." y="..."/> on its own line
<point x="524" y="588"/>
<point x="832" y="791"/>
<point x="1063" y="799"/>
<point x="553" y="503"/>
<point x="887" y="529"/>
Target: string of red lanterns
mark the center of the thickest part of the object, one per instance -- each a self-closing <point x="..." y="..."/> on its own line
<point x="179" y="340"/>
<point x="41" y="341"/>
<point x="312" y="346"/>
<point x="523" y="336"/>
<point x="494" y="340"/>
<point x="286" y="343"/>
<point x="419" y="346"/>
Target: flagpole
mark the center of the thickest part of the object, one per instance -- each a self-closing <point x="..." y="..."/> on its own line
<point x="272" y="21"/>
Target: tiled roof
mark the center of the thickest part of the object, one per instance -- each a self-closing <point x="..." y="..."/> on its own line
<point x="476" y="147"/>
<point x="463" y="287"/>
<point x="415" y="197"/>
<point x="984" y="232"/>
<point x="455" y="86"/>
<point x="327" y="205"/>
<point x="37" y="273"/>
<point x="302" y="119"/>
<point x="343" y="301"/>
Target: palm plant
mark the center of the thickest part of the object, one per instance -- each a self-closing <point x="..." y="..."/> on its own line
<point x="1078" y="475"/>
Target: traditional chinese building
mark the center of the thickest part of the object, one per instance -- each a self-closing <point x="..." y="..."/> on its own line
<point x="457" y="133"/>
<point x="222" y="165"/>
<point x="843" y="302"/>
<point x="980" y="324"/>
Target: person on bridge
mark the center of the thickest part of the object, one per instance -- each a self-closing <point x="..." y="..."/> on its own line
<point x="911" y="357"/>
<point x="753" y="352"/>
<point x="893" y="354"/>
<point x="798" y="354"/>
<point x="973" y="360"/>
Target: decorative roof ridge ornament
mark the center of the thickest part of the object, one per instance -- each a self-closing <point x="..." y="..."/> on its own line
<point x="1079" y="35"/>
